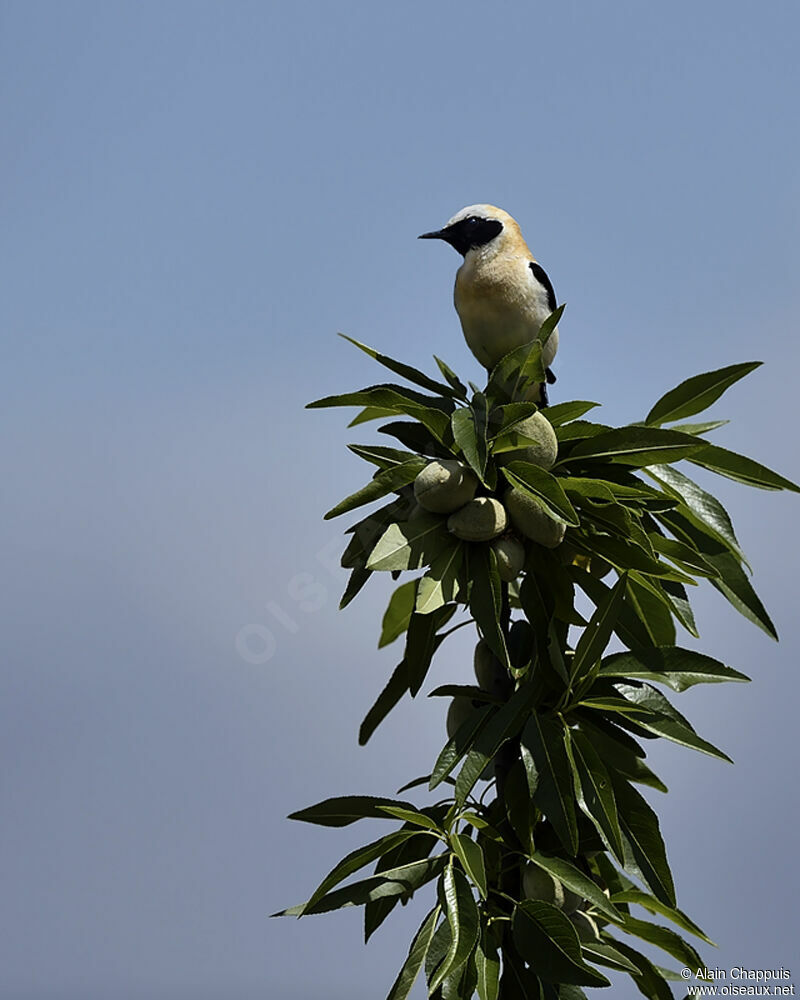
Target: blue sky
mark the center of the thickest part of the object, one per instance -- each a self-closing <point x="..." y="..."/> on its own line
<point x="196" y="197"/>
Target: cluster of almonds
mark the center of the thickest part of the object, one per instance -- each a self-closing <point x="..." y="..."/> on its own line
<point x="448" y="486"/>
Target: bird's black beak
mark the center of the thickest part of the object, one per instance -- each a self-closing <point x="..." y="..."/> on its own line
<point x="440" y="234"/>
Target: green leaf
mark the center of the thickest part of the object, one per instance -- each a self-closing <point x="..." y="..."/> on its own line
<point x="387" y="699"/>
<point x="432" y="411"/>
<point x="597" y="633"/>
<point x="395" y="882"/>
<point x="606" y="954"/>
<point x="440" y="584"/>
<point x="384" y="458"/>
<point x="684" y="556"/>
<point x="417" y="437"/>
<point x="505" y="418"/>
<point x="678" y="917"/>
<point x="664" y="938"/>
<point x="405" y="371"/>
<point x="697" y="429"/>
<point x="653" y="611"/>
<point x="387" y="481"/>
<point x="356" y="860"/>
<point x="413" y="849"/>
<point x="697" y="393"/>
<point x="504" y="724"/>
<point x="671" y="665"/>
<point x="355" y="582"/>
<point x="676" y="729"/>
<point x="371" y="413"/>
<point x="459" y="744"/>
<point x="595" y="792"/>
<point x="470" y="855"/>
<point x="547" y="939"/>
<point x="532" y="479"/>
<point x="703" y="508"/>
<point x="410" y="544"/>
<point x="619" y="755"/>
<point x="562" y="413"/>
<point x="398" y="613"/>
<point x="735" y="586"/>
<point x="574" y="879"/>
<point x="636" y="446"/>
<point x="741" y="469"/>
<point x="412" y="816"/>
<point x="470" y="432"/>
<point x="630" y="628"/>
<point x="416" y="957"/>
<point x="649" y="981"/>
<point x="516" y="372"/>
<point x="346" y="809"/>
<point x="550" y="776"/>
<point x="487" y="962"/>
<point x="485" y="601"/>
<point x="645" y="854"/>
<point x="453" y="380"/>
<point x="422" y="642"/>
<point x="464" y="921"/>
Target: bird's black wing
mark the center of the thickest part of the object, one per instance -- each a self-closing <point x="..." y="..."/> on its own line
<point x="541" y="276"/>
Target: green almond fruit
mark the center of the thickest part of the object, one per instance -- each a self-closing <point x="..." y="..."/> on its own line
<point x="537" y="441"/>
<point x="480" y="520"/>
<point x="445" y="485"/>
<point x="529" y="517"/>
<point x="510" y="558"/>
<point x="490" y="674"/>
<point x="539" y="884"/>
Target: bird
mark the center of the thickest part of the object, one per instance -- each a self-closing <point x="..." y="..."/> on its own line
<point x="502" y="293"/>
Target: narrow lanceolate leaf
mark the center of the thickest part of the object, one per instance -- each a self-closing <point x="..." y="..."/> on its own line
<point x="416" y="957"/>
<point x="606" y="954"/>
<point x="545" y="739"/>
<point x="562" y="413"/>
<point x="684" y="556"/>
<point x="387" y="699"/>
<point x="440" y="584"/>
<point x="597" y="633"/>
<point x="357" y="860"/>
<point x="383" y="483"/>
<point x="422" y="641"/>
<point x="504" y="724"/>
<point x="459" y="744"/>
<point x="704" y="508"/>
<point x="738" y="590"/>
<point x="547" y="939"/>
<point x="464" y="921"/>
<point x="697" y="393"/>
<point x="384" y="458"/>
<point x="636" y="446"/>
<point x="346" y="809"/>
<point x="630" y="628"/>
<point x="395" y="882"/>
<point x="616" y="753"/>
<point x="455" y="383"/>
<point x="574" y="879"/>
<point x="470" y="431"/>
<point x="664" y="938"/>
<point x="470" y="854"/>
<point x="645" y="854"/>
<point x="405" y="371"/>
<point x="649" y="981"/>
<point x="398" y="614"/>
<point x="664" y="720"/>
<point x="371" y="413"/>
<point x="412" y="816"/>
<point x="487" y="963"/>
<point x="532" y="479"/>
<point x="678" y="917"/>
<point x="595" y="792"/>
<point x="703" y="428"/>
<point x="518" y="370"/>
<point x="678" y="668"/>
<point x="432" y="411"/>
<point x="741" y="469"/>
<point x="410" y="544"/>
<point x="485" y="599"/>
<point x="414" y="849"/>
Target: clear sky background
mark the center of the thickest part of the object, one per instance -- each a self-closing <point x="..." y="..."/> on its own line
<point x="196" y="197"/>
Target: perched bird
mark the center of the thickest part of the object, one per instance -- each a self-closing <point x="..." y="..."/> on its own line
<point x="502" y="294"/>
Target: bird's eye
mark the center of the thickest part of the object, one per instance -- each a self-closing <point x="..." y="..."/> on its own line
<point x="473" y="220"/>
